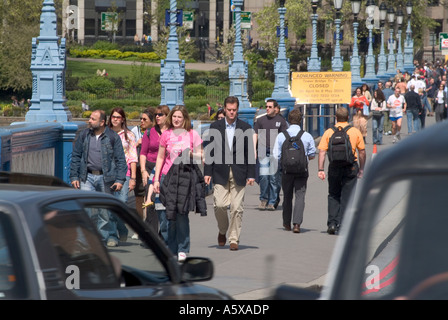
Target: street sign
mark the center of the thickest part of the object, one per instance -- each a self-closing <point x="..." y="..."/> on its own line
<point x="245" y="19"/>
<point x="443" y="42"/>
<point x="322" y="87"/>
<point x="188" y="18"/>
<point x="109" y="21"/>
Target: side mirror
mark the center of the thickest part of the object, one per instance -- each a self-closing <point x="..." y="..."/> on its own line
<point x="197" y="269"/>
<point x="295" y="293"/>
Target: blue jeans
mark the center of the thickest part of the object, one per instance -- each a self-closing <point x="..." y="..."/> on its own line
<point x="377" y="129"/>
<point x="269" y="180"/>
<point x="104" y="220"/>
<point x="123" y="195"/>
<point x="413" y="120"/>
<point x="175" y="233"/>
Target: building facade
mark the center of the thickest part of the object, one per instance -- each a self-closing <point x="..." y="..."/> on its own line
<point x="212" y="21"/>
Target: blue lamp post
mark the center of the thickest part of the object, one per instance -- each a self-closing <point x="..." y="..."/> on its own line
<point x="281" y="91"/>
<point x="314" y="62"/>
<point x="382" y="58"/>
<point x="355" y="61"/>
<point x="409" y="42"/>
<point x="337" y="63"/>
<point x="370" y="74"/>
<point x="400" y="61"/>
<point x="48" y="71"/>
<point x="238" y="67"/>
<point x="172" y="72"/>
<point x="391" y="57"/>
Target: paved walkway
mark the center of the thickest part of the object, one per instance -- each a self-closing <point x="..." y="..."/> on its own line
<point x="208" y="66"/>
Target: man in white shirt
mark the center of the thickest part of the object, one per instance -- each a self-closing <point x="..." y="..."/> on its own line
<point x="397" y="105"/>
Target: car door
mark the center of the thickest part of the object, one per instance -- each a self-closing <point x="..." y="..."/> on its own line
<point x="91" y="270"/>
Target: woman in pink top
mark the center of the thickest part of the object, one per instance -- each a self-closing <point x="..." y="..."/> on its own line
<point x="173" y="142"/>
<point x="117" y="122"/>
<point x="148" y="156"/>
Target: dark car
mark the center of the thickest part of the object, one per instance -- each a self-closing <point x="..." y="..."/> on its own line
<point x="393" y="242"/>
<point x="51" y="249"/>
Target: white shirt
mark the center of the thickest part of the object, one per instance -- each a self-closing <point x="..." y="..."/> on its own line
<point x="398" y="104"/>
<point x="230" y="133"/>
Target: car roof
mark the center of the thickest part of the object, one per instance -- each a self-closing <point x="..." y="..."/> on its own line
<point x="424" y="152"/>
<point x="31" y="179"/>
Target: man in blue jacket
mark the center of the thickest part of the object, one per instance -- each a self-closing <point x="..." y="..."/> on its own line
<point x="98" y="164"/>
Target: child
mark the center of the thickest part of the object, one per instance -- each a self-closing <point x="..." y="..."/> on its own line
<point x="150" y="191"/>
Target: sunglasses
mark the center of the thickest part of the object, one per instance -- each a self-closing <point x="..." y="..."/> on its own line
<point x="160" y="114"/>
<point x="116" y="117"/>
<point x="269" y="107"/>
<point x="144" y="119"/>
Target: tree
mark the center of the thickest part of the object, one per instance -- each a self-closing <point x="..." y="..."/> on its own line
<point x="20" y="23"/>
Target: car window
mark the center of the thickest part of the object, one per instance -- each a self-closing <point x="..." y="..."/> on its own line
<point x="72" y="227"/>
<point x="406" y="253"/>
<point x="11" y="285"/>
<point x="78" y="247"/>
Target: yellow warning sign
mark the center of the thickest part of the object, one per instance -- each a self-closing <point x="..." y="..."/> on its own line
<point x="322" y="87"/>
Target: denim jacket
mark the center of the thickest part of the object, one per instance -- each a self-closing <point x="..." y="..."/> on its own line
<point x="113" y="159"/>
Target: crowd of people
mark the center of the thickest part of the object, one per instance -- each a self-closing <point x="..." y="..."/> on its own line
<point x="420" y="94"/>
<point x="163" y="155"/>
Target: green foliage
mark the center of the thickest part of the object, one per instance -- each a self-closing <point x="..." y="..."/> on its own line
<point x="114" y="54"/>
<point x="261" y="90"/>
<point x="143" y="79"/>
<point x="195" y="90"/>
<point x="97" y="85"/>
<point x="103" y="45"/>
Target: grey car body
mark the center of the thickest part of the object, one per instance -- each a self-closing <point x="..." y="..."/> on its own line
<point x="50" y="249"/>
<point x="393" y="242"/>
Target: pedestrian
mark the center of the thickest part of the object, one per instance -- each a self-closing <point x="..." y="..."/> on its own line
<point x="98" y="163"/>
<point x="154" y="216"/>
<point x="341" y="179"/>
<point x="173" y="142"/>
<point x="266" y="130"/>
<point x="359" y="119"/>
<point x="118" y="123"/>
<point x="430" y="92"/>
<point x="220" y="114"/>
<point x="85" y="107"/>
<point x="146" y="122"/>
<point x="413" y="109"/>
<point x="230" y="163"/>
<point x="396" y="105"/>
<point x="387" y="91"/>
<point x="378" y="106"/>
<point x="366" y="92"/>
<point x="426" y="106"/>
<point x="294" y="184"/>
<point x="402" y="85"/>
<point x="440" y="103"/>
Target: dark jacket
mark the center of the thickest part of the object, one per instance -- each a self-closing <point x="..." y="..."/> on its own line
<point x="113" y="164"/>
<point x="219" y="159"/>
<point x="413" y="101"/>
<point x="183" y="190"/>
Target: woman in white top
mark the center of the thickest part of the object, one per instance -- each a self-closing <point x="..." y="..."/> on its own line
<point x="378" y="106"/>
<point x="440" y="103"/>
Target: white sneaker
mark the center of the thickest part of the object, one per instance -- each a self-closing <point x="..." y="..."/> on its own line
<point x="395" y="140"/>
<point x="399" y="136"/>
<point x="181" y="256"/>
<point x="134" y="236"/>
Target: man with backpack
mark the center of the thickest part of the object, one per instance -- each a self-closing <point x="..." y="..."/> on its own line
<point x="340" y="143"/>
<point x="294" y="148"/>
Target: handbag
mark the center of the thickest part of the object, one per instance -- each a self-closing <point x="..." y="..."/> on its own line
<point x="377" y="114"/>
<point x="365" y="110"/>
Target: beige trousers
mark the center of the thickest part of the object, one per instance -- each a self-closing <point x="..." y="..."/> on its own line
<point x="223" y="196"/>
<point x="360" y="122"/>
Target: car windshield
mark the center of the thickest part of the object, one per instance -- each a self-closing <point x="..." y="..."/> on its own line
<point x="405" y="254"/>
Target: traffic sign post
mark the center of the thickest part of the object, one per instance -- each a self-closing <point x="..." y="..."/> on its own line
<point x="188" y="18"/>
<point x="245" y="19"/>
<point x="109" y="21"/>
<point x="443" y="42"/>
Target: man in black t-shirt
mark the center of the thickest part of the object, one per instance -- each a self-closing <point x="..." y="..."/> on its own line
<point x="266" y="130"/>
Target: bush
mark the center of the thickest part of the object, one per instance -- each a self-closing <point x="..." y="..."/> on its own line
<point x="76" y="111"/>
<point x="195" y="90"/>
<point x="97" y="85"/>
<point x="86" y="114"/>
<point x="133" y="115"/>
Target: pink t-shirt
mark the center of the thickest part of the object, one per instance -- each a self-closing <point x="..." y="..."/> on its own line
<point x="150" y="147"/>
<point x="176" y="141"/>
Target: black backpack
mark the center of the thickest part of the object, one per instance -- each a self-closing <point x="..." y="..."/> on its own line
<point x="340" y="151"/>
<point x="293" y="159"/>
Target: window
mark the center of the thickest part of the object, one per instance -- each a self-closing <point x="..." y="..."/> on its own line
<point x="77" y="245"/>
<point x="12" y="274"/>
